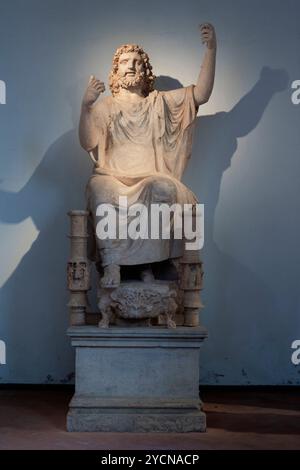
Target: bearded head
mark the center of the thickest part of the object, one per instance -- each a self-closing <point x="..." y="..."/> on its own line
<point x="126" y="75"/>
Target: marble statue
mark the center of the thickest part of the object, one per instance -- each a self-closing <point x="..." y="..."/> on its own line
<point x="140" y="141"/>
<point x="132" y="379"/>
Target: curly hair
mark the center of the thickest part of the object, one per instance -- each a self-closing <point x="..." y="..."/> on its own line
<point x="149" y="78"/>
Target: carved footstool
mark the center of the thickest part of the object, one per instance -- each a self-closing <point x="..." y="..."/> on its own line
<point x="134" y="300"/>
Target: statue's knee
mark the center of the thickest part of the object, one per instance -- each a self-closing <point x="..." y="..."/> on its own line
<point x="103" y="191"/>
<point x="164" y="191"/>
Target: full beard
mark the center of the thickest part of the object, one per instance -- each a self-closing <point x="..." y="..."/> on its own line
<point x="132" y="81"/>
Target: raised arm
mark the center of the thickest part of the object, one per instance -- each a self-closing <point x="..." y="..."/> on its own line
<point x="205" y="83"/>
<point x="88" y="132"/>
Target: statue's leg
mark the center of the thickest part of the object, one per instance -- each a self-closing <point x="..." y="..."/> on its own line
<point x="104" y="305"/>
<point x="161" y="191"/>
<point x="104" y="189"/>
<point x="111" y="277"/>
<point x="147" y="274"/>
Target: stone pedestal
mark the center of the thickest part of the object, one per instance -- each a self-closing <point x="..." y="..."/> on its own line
<point x="136" y="380"/>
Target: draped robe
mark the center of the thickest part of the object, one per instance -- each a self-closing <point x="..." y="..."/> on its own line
<point x="143" y="149"/>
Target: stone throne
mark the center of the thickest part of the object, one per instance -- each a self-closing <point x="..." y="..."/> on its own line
<point x="172" y="298"/>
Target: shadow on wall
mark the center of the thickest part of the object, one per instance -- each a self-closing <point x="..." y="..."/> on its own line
<point x="34" y="298"/>
<point x="240" y="311"/>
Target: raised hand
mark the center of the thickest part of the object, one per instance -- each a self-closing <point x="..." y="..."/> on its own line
<point x="208" y="35"/>
<point x="94" y="89"/>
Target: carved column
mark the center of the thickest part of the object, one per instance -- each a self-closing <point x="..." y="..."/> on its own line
<point x="191" y="280"/>
<point x="78" y="268"/>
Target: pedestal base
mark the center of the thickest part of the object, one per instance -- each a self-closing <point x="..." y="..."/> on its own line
<point x="137" y="380"/>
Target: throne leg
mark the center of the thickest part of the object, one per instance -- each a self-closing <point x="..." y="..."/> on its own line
<point x="78" y="268"/>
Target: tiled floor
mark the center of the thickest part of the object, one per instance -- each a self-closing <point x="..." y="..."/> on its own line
<point x="237" y="419"/>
